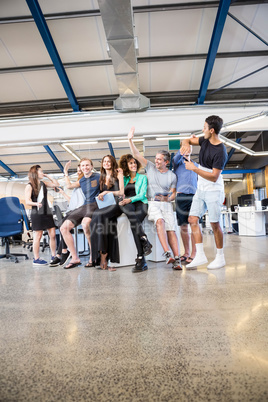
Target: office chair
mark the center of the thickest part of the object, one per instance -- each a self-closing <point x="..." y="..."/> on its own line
<point x="59" y="216"/>
<point x="11" y="224"/>
<point x="29" y="242"/>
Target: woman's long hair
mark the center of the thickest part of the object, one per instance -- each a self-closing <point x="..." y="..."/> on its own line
<point x="123" y="164"/>
<point x="33" y="178"/>
<point x="113" y="177"/>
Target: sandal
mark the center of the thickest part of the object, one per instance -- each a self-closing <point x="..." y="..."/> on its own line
<point x="89" y="265"/>
<point x="189" y="259"/>
<point x="72" y="265"/>
<point x="184" y="258"/>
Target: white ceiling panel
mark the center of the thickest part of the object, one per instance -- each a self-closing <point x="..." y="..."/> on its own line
<point x="171" y="76"/>
<point x="93" y="81"/>
<point x="45" y="84"/>
<point x="237" y="38"/>
<point x="52" y="6"/>
<point x="24" y="45"/>
<point x="237" y="157"/>
<point x="26" y="151"/>
<point x="227" y="70"/>
<point x="14" y="88"/>
<point x="47" y="167"/>
<point x="11" y="8"/>
<point x="165" y="41"/>
<point x="79" y="39"/>
<point x="254" y="16"/>
<point x="5" y="56"/>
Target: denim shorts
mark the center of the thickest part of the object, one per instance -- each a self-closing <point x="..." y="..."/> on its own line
<point x="210" y="201"/>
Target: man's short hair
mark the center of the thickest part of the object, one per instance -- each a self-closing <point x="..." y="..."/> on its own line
<point x="86" y="159"/>
<point x="215" y="122"/>
<point x="165" y="154"/>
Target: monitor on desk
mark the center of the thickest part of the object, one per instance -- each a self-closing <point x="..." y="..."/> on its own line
<point x="247" y="200"/>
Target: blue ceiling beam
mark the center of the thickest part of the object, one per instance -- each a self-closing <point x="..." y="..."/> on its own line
<point x="4" y="166"/>
<point x="52" y="50"/>
<point x="213" y="48"/>
<point x="53" y="156"/>
<point x="232" y="151"/>
<point x="110" y="145"/>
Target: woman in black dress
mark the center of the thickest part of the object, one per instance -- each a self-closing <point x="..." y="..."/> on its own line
<point x="41" y="215"/>
<point x="103" y="226"/>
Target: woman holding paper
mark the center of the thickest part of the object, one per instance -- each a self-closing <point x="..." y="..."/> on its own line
<point x="135" y="206"/>
<point x="103" y="227"/>
<point x="41" y="216"/>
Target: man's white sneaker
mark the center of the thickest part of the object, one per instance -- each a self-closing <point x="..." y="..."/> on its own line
<point x="219" y="262"/>
<point x="198" y="260"/>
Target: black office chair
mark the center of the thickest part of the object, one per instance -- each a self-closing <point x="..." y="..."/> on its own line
<point x="59" y="216"/>
<point x="11" y="224"/>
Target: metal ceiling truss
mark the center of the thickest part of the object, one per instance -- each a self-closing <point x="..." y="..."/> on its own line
<point x="213" y="48"/>
<point x="53" y="156"/>
<point x="152" y="59"/>
<point x="157" y="99"/>
<point x="52" y="50"/>
<point x="10" y="171"/>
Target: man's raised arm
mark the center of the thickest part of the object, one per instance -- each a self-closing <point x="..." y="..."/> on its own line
<point x="135" y="152"/>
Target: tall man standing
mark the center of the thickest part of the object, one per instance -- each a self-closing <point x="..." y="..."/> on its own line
<point x="186" y="188"/>
<point x="210" y="188"/>
<point x="161" y="191"/>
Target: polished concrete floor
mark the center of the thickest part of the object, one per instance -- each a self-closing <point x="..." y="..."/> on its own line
<point x="161" y="335"/>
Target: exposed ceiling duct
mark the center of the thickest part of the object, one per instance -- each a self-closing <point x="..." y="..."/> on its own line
<point x="117" y="17"/>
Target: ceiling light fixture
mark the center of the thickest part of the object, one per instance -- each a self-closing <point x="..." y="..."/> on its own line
<point x="126" y="140"/>
<point x="81" y="143"/>
<point x="70" y="151"/>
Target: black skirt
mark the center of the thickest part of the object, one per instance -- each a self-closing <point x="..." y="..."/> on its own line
<point x="42" y="218"/>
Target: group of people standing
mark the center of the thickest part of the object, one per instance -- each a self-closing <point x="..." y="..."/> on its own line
<point x="137" y="195"/>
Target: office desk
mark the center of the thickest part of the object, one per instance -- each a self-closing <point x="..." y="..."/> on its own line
<point x="251" y="222"/>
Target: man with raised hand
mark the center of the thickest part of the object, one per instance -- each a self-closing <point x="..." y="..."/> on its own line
<point x="210" y="189"/>
<point x="161" y="191"/>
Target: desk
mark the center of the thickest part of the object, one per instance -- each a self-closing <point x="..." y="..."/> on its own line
<point x="251" y="222"/>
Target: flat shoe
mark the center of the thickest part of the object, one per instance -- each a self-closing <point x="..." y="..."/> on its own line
<point x="72" y="265"/>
